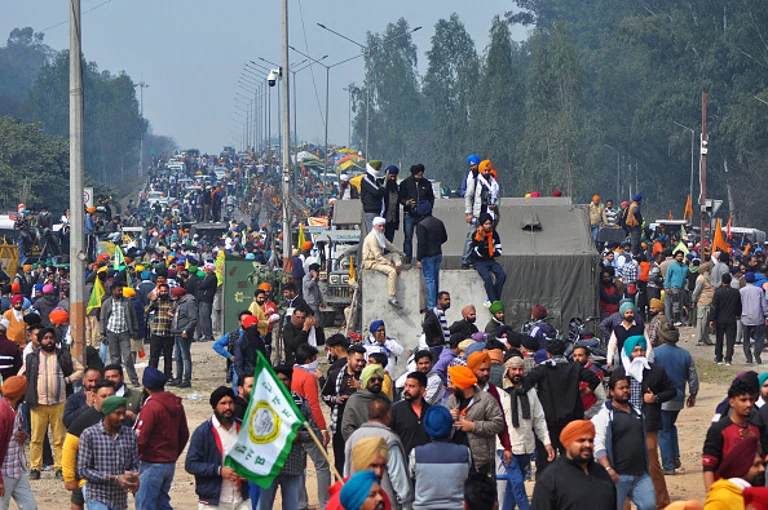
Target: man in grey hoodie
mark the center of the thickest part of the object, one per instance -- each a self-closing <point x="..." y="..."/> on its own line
<point x="184" y="324"/>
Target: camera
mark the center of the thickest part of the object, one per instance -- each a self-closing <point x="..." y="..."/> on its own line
<point x="274" y="75"/>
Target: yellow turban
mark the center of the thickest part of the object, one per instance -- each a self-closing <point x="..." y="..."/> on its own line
<point x="128" y="292"/>
<point x="365" y="451"/>
<point x="464" y="344"/>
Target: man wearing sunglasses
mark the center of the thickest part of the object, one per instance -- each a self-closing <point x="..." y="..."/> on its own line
<point x="356" y="410"/>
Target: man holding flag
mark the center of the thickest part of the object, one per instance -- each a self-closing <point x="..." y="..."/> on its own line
<point x="265" y="452"/>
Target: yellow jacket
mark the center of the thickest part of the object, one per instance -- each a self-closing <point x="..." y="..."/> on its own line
<point x="17" y="330"/>
<point x="387" y="387"/>
<point x="257" y="312"/>
<point x="724" y="495"/>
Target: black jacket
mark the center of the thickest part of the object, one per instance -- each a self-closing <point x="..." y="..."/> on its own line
<point x="565" y="486"/>
<point x="558" y="389"/>
<point x="726" y="305"/>
<point x="191" y="285"/>
<point x="391" y="202"/>
<point x="411" y="189"/>
<point x="371" y="195"/>
<point x="33" y="371"/>
<point x="10" y="357"/>
<point x="431" y="235"/>
<point x="479" y="249"/>
<point x="408" y="426"/>
<point x="293" y="337"/>
<point x="463" y="327"/>
<point x="204" y="461"/>
<point x="245" y="352"/>
<point x="207" y="289"/>
<point x="657" y="381"/>
<point x="433" y="330"/>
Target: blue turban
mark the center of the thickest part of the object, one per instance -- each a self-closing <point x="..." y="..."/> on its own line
<point x="626" y="305"/>
<point x="146" y="275"/>
<point x="637" y="198"/>
<point x="38" y="287"/>
<point x="473" y="159"/>
<point x="356" y="489"/>
<point x="438" y="422"/>
<point x="424" y="208"/>
<point x="392" y="169"/>
<point x="749" y="277"/>
<point x="760" y="378"/>
<point x="153" y="379"/>
<point x="375" y="325"/>
<point x="540" y="356"/>
<point x="632" y="342"/>
<point x="475" y="347"/>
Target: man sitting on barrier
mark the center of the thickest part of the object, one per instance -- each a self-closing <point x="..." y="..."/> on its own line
<point x="374" y="258"/>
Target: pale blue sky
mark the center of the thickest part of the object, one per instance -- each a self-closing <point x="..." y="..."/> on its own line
<point x="191" y="52"/>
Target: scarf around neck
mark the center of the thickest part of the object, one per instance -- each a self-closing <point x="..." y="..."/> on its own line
<point x="519" y="397"/>
<point x="481" y="233"/>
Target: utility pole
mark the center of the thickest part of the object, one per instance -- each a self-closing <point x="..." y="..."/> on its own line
<point x="703" y="163"/>
<point x="286" y="136"/>
<point x="77" y="253"/>
<point x="141" y="86"/>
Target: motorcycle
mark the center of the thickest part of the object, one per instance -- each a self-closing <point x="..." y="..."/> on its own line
<point x="580" y="335"/>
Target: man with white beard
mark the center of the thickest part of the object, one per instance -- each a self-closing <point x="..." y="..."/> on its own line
<point x="374" y="259"/>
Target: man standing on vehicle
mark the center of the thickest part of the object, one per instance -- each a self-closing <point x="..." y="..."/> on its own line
<point x="413" y="190"/>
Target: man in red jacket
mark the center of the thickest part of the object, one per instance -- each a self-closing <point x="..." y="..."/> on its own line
<point x="163" y="434"/>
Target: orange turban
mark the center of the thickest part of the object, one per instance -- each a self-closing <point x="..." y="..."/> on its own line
<point x="596" y="198"/>
<point x="485" y="164"/>
<point x="15" y="287"/>
<point x="476" y="359"/>
<point x="58" y="317"/>
<point x="15" y="387"/>
<point x="576" y="430"/>
<point x="462" y="377"/>
<point x="306" y="246"/>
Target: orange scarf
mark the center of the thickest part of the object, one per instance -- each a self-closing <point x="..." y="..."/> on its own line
<point x="489" y="238"/>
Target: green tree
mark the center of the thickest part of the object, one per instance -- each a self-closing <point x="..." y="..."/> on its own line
<point x="20" y="60"/>
<point x="448" y="91"/>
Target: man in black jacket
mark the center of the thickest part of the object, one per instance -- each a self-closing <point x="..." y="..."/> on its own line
<point x="413" y="190"/>
<point x="649" y="388"/>
<point x="391" y="202"/>
<point x="557" y="383"/>
<point x="723" y="315"/>
<point x="466" y="326"/>
<point x="205" y="294"/>
<point x="298" y="330"/>
<point x="431" y="234"/>
<point x="372" y="193"/>
<point x="435" y="325"/>
<point x="575" y="480"/>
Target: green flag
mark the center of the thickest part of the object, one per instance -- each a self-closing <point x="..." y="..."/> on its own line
<point x="119" y="259"/>
<point x="269" y="428"/>
<point x="96" y="294"/>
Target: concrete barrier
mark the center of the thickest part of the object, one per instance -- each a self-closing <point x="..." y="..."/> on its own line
<point x="465" y="287"/>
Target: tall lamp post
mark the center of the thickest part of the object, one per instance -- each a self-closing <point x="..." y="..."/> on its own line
<point x="366" y="51"/>
<point x="327" y="104"/>
<point x="142" y="85"/>
<point x="693" y="152"/>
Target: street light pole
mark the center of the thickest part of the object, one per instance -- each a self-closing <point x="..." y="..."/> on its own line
<point x="141" y="86"/>
<point x="693" y="153"/>
<point x="349" y="117"/>
<point x="366" y="51"/>
<point x="77" y="252"/>
<point x="286" y="117"/>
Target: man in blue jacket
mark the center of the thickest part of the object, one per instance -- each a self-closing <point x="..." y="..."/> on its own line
<point x="674" y="283"/>
<point x="216" y="484"/>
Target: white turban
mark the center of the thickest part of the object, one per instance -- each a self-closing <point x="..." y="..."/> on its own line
<point x="344" y="178"/>
<point x="378" y="220"/>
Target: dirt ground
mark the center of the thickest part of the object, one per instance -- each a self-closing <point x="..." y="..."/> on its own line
<point x="208" y="373"/>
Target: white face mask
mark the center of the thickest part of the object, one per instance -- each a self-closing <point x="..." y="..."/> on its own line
<point x="310" y="367"/>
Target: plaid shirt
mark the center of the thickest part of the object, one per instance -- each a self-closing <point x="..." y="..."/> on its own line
<point x="101" y="455"/>
<point x="117" y="323"/>
<point x="15" y="463"/>
<point x="635" y="394"/>
<point x="161" y="321"/>
<point x="296" y="461"/>
<point x="629" y="272"/>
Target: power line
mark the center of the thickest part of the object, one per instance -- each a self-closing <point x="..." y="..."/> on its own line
<point x="311" y="71"/>
<point x="84" y="12"/>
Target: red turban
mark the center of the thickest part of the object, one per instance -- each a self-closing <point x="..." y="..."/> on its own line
<point x="739" y="459"/>
<point x="462" y="377"/>
<point x="539" y="312"/>
<point x="757" y="497"/>
<point x="576" y="430"/>
<point x="178" y="292"/>
<point x="17" y="299"/>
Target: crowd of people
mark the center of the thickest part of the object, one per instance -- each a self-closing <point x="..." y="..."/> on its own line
<point x="464" y="421"/>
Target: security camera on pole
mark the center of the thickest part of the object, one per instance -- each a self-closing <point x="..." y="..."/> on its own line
<point x="286" y="147"/>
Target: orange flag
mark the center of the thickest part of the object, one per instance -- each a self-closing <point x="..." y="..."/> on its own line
<point x="718" y="243"/>
<point x="728" y="227"/>
<point x="688" y="213"/>
<point x="670" y="215"/>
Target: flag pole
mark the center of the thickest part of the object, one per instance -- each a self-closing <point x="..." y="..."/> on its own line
<point x="325" y="453"/>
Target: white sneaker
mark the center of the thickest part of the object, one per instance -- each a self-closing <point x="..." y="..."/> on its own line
<point x="487" y="304"/>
